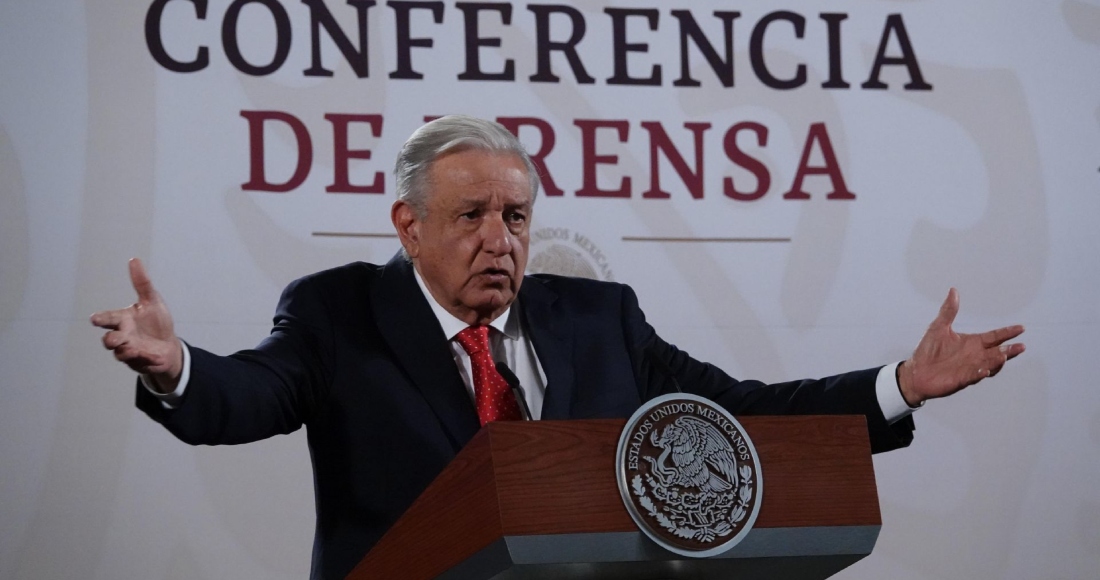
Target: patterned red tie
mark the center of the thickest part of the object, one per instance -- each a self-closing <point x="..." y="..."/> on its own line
<point x="495" y="400"/>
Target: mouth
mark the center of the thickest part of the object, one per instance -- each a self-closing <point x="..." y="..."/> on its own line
<point x="496" y="275"/>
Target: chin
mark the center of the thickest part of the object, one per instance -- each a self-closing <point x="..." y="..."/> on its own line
<point x="497" y="300"/>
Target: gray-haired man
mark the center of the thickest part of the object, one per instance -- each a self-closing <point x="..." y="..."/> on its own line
<point x="389" y="366"/>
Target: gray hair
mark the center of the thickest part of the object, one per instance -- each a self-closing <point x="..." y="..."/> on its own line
<point x="451" y="134"/>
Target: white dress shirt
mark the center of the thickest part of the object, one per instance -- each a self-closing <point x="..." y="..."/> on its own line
<point x="509" y="344"/>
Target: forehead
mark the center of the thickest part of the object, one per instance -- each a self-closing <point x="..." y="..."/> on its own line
<point x="475" y="174"/>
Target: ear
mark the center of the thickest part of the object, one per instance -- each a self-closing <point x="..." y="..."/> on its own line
<point x="408" y="227"/>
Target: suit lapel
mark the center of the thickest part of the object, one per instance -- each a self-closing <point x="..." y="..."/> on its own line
<point x="551" y="333"/>
<point x="412" y="331"/>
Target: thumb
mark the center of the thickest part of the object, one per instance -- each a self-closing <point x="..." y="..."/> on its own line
<point x="141" y="282"/>
<point x="948" y="309"/>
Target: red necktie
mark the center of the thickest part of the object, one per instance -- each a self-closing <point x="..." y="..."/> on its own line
<point x="495" y="400"/>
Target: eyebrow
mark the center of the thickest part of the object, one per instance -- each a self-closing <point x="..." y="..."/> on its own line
<point x="466" y="204"/>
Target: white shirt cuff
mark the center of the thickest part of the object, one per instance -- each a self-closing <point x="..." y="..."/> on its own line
<point x="172" y="400"/>
<point x="893" y="405"/>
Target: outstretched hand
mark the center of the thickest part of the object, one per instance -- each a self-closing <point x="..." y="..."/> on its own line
<point x="946" y="362"/>
<point x="141" y="335"/>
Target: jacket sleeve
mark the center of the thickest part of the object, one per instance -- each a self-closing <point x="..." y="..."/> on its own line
<point x="254" y="394"/>
<point x="658" y="363"/>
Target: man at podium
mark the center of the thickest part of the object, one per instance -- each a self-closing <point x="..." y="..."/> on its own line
<point x="392" y="368"/>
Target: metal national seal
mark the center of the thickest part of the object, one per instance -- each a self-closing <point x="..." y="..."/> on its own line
<point x="689" y="475"/>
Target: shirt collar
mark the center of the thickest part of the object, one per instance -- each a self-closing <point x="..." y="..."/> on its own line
<point x="505" y="324"/>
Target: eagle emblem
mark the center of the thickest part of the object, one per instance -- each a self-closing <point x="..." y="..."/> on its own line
<point x="701" y="458"/>
<point x="689" y="475"/>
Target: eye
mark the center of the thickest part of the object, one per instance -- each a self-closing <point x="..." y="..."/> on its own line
<point x="471" y="215"/>
<point x="516" y="217"/>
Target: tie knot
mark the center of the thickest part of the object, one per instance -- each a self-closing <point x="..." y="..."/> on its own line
<point x="474" y="339"/>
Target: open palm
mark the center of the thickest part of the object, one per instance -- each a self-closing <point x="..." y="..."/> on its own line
<point x="946" y="362"/>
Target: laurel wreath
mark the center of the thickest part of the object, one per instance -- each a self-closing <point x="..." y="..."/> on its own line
<point x="678" y="525"/>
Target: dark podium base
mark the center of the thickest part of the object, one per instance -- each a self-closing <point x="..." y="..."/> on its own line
<point x="788" y="553"/>
<point x="749" y="569"/>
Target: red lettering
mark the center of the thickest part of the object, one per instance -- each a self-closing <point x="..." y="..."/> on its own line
<point x="341" y="154"/>
<point x="546" y="134"/>
<point x="818" y="134"/>
<point x="742" y="159"/>
<point x="589" y="158"/>
<point x="257" y="180"/>
<point x="659" y="141"/>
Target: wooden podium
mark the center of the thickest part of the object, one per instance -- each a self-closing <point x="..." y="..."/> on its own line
<point x="539" y="500"/>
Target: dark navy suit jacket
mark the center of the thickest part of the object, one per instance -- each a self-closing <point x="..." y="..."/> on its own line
<point x="357" y="356"/>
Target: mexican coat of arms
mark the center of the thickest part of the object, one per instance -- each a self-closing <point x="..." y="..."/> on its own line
<point x="689" y="475"/>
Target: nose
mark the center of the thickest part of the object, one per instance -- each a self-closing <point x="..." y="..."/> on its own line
<point x="496" y="237"/>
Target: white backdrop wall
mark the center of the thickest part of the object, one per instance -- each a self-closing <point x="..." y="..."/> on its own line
<point x="987" y="181"/>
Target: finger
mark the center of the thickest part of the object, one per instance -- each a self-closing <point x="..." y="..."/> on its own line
<point x="110" y="319"/>
<point x="1012" y="351"/>
<point x="132" y="358"/>
<point x="1004" y="354"/>
<point x="114" y="339"/>
<point x="948" y="309"/>
<point x="141" y="282"/>
<point x="123" y="353"/>
<point x="132" y="355"/>
<point x="996" y="337"/>
<point x="997" y="362"/>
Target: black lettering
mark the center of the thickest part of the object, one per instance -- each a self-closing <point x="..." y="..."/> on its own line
<point x="621" y="47"/>
<point x="474" y="42"/>
<point x="319" y="16"/>
<point x="908" y="57"/>
<point x="543" y="44"/>
<point x="690" y="29"/>
<point x="836" y="78"/>
<point x="405" y="42"/>
<point x="756" y="51"/>
<point x="282" y="37"/>
<point x="156" y="44"/>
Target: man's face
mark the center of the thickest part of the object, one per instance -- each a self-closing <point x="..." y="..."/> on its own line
<point x="471" y="247"/>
